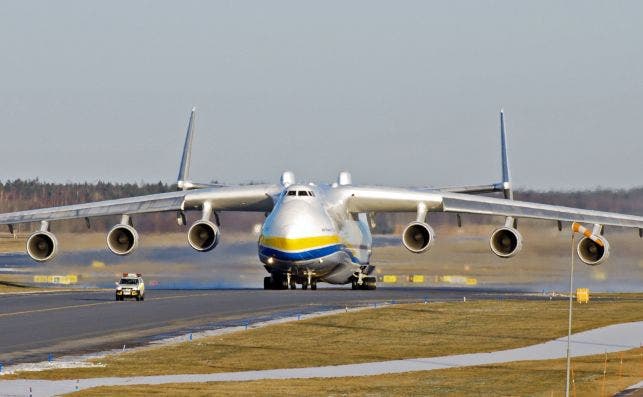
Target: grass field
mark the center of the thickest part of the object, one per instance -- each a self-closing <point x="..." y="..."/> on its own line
<point x="528" y="378"/>
<point x="399" y="331"/>
<point x="7" y="286"/>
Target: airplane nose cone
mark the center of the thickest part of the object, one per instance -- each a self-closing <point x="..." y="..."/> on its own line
<point x="298" y="230"/>
<point x="295" y="220"/>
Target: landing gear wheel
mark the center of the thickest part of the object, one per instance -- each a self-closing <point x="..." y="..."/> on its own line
<point x="282" y="283"/>
<point x="304" y="285"/>
<point x="369" y="283"/>
<point x="267" y="283"/>
<point x="138" y="298"/>
<point x="142" y="297"/>
<point x="313" y="285"/>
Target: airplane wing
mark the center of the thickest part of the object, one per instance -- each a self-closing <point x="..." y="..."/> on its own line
<point x="237" y="198"/>
<point x="383" y="199"/>
<point x="464" y="199"/>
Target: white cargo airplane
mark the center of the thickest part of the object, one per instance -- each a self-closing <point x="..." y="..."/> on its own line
<point x="314" y="232"/>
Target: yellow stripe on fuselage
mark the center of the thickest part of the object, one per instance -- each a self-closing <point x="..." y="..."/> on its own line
<point x="298" y="244"/>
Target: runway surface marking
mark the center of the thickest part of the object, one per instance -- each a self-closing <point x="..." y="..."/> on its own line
<point x="613" y="338"/>
<point x="49" y="309"/>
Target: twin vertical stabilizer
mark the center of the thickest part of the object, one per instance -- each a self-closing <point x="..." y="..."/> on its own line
<point x="184" y="169"/>
<point x="506" y="176"/>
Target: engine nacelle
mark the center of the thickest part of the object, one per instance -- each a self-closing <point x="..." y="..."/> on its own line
<point x="122" y="239"/>
<point x="505" y="242"/>
<point x="418" y="237"/>
<point x="42" y="246"/>
<point x="592" y="253"/>
<point x="203" y="235"/>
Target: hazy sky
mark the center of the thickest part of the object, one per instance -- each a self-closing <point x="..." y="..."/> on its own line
<point x="397" y="92"/>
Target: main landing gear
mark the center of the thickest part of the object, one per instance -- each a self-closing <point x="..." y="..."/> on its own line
<point x="285" y="281"/>
<point x="367" y="283"/>
<point x="313" y="285"/>
<point x="275" y="283"/>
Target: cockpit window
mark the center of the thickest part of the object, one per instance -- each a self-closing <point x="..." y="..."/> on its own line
<point x="300" y="193"/>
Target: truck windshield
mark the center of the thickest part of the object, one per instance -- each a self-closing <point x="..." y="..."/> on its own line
<point x="129" y="281"/>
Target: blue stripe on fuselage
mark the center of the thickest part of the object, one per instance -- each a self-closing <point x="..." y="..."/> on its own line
<point x="304" y="255"/>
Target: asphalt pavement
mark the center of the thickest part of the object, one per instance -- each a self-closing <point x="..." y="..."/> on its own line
<point x="32" y="326"/>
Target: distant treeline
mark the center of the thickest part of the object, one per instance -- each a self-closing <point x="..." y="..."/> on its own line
<point x="30" y="194"/>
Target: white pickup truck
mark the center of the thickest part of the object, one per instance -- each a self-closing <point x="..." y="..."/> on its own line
<point x="130" y="286"/>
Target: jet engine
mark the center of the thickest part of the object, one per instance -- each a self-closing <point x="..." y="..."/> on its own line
<point x="592" y="253"/>
<point x="122" y="239"/>
<point x="42" y="246"/>
<point x="203" y="235"/>
<point x="418" y="237"/>
<point x="505" y="242"/>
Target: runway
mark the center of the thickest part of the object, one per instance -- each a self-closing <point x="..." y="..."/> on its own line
<point x="613" y="338"/>
<point x="36" y="325"/>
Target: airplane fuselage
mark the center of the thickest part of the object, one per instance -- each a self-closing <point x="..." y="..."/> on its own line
<point x="310" y="235"/>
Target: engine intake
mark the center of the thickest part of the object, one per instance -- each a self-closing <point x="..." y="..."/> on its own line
<point x="122" y="239"/>
<point x="203" y="236"/>
<point x="591" y="253"/>
<point x="42" y="246"/>
<point x="505" y="242"/>
<point x="418" y="237"/>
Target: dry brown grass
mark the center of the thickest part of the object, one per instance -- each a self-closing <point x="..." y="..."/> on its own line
<point x="8" y="286"/>
<point x="528" y="378"/>
<point x="400" y="331"/>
